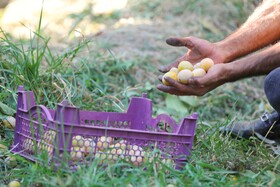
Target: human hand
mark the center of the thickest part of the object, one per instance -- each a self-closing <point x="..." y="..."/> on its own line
<point x="216" y="76"/>
<point x="198" y="49"/>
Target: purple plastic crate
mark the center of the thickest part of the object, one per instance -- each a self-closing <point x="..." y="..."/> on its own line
<point x="73" y="136"/>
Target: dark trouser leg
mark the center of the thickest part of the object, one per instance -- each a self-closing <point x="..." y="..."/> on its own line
<point x="272" y="89"/>
<point x="268" y="124"/>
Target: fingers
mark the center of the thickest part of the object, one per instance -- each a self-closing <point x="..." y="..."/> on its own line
<point x="166" y="68"/>
<point x="177" y="88"/>
<point x="169" y="89"/>
<point x="192" y="82"/>
<point x="187" y="90"/>
<point x="178" y="42"/>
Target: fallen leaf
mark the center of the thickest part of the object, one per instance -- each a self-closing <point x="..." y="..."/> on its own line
<point x="5" y="109"/>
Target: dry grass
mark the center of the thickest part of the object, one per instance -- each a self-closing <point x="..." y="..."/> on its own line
<point x="120" y="61"/>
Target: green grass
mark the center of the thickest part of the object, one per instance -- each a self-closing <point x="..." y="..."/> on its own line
<point x="90" y="75"/>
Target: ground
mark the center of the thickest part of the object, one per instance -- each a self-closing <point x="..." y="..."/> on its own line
<point x="121" y="60"/>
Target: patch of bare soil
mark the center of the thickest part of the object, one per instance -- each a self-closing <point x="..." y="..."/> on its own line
<point x="137" y="36"/>
<point x="139" y="30"/>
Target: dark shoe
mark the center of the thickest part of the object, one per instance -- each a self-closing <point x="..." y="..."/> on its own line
<point x="268" y="125"/>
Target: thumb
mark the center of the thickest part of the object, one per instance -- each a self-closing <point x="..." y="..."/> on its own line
<point x="176" y="41"/>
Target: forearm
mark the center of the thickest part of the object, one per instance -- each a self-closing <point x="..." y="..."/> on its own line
<point x="261" y="29"/>
<point x="259" y="63"/>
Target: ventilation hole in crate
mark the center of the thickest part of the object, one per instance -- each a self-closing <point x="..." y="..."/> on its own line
<point x="89" y="146"/>
<point x="161" y="125"/>
<point x="40" y="118"/>
<point x="25" y="124"/>
<point x="104" y="142"/>
<point x="45" y="148"/>
<point x="91" y="122"/>
<point x="30" y="129"/>
<point x="120" y="123"/>
<point x="99" y="122"/>
<point x="82" y="147"/>
<point x="77" y="141"/>
<point x="105" y="123"/>
<point x="49" y="136"/>
<point x="115" y="123"/>
<point x="44" y="120"/>
<point x="77" y="153"/>
<point x="168" y="128"/>
<point x="164" y="126"/>
<point x="136" y="154"/>
<point x="28" y="145"/>
<point x="26" y="128"/>
<point x="111" y="123"/>
<point x="125" y="123"/>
